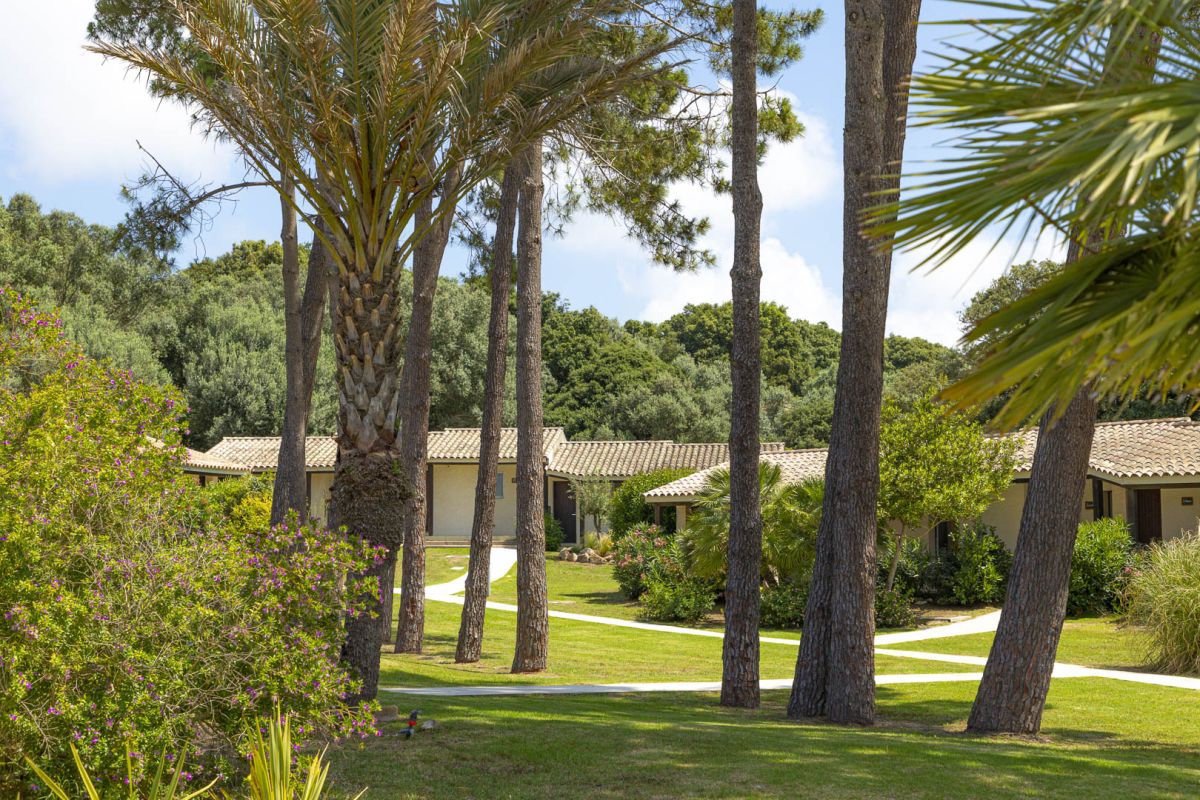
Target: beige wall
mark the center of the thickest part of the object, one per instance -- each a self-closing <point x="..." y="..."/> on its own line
<point x="1176" y="517"/>
<point x="1005" y="514"/>
<point x="454" y="501"/>
<point x="318" y="498"/>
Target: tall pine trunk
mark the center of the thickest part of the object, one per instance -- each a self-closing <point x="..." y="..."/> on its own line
<point x="739" y="679"/>
<point x="303" y="322"/>
<point x="414" y="418"/>
<point x="470" y="631"/>
<point x="532" y="603"/>
<point x="835" y="670"/>
<point x="1016" y="679"/>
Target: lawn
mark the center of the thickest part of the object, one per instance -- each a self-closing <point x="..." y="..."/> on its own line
<point x="442" y="564"/>
<point x="1091" y="642"/>
<point x="586" y="652"/>
<point x="1101" y="739"/>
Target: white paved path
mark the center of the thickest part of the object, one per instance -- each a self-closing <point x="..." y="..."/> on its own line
<point x="503" y="559"/>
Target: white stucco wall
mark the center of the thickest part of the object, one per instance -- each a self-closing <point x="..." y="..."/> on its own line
<point x="454" y="501"/>
<point x="1005" y="514"/>
<point x="318" y="499"/>
<point x="1176" y="517"/>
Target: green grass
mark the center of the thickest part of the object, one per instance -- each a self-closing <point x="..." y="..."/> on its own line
<point x="441" y="563"/>
<point x="574" y="587"/>
<point x="1101" y="739"/>
<point x="1091" y="642"/>
<point x="586" y="652"/>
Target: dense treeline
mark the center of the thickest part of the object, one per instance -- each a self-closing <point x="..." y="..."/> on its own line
<point x="215" y="329"/>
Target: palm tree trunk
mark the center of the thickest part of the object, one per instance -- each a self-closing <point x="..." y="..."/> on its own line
<point x="414" y="424"/>
<point x="303" y="321"/>
<point x="470" y="631"/>
<point x="532" y="603"/>
<point x="739" y="678"/>
<point x="1016" y="679"/>
<point x="835" y="670"/>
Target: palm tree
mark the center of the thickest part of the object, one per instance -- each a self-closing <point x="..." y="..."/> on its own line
<point x="835" y="670"/>
<point x="370" y="108"/>
<point x="1072" y="133"/>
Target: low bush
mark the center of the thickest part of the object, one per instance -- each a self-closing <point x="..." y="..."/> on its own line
<point x="893" y="609"/>
<point x="628" y="509"/>
<point x="1164" y="598"/>
<point x="1098" y="566"/>
<point x="129" y="616"/>
<point x="638" y="558"/>
<point x="972" y="571"/>
<point x="554" y="534"/>
<point x="677" y="600"/>
<point x="783" y="605"/>
<point x="913" y="568"/>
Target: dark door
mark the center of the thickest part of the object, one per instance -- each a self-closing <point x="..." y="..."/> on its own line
<point x="564" y="509"/>
<point x="1149" y="515"/>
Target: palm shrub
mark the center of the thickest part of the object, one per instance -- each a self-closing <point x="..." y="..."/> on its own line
<point x="1164" y="598"/>
<point x="127" y="616"/>
<point x="1097" y="566"/>
<point x="627" y="506"/>
<point x="791" y="514"/>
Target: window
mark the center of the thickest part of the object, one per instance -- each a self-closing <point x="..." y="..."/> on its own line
<point x="499" y="485"/>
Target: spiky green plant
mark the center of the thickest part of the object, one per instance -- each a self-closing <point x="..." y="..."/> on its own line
<point x="1164" y="599"/>
<point x="163" y="786"/>
<point x="273" y="775"/>
<point x="1062" y="128"/>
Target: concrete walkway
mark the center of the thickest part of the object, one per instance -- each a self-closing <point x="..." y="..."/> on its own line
<point x="503" y="559"/>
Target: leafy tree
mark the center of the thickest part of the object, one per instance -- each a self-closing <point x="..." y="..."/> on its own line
<point x="936" y="467"/>
<point x="593" y="498"/>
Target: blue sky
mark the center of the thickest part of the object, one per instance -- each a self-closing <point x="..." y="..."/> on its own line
<point x="69" y="133"/>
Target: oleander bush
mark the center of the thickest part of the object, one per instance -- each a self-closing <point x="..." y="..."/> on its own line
<point x="1163" y="597"/>
<point x="127" y="618"/>
<point x="1098" y="562"/>
<point x="645" y="553"/>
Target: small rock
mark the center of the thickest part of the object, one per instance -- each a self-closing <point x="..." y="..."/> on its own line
<point x="564" y="553"/>
<point x="596" y="559"/>
<point x="589" y="553"/>
<point x="429" y="724"/>
<point x="387" y="714"/>
<point x="572" y="557"/>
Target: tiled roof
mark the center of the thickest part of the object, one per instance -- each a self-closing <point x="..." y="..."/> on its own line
<point x="262" y="452"/>
<point x="620" y="459"/>
<point x="796" y="466"/>
<point x="1149" y="448"/>
<point x="462" y="444"/>
<point x="195" y="460"/>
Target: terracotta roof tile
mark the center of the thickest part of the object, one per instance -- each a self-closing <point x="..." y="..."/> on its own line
<point x="796" y="466"/>
<point x="262" y="452"/>
<point x="621" y="459"/>
<point x="195" y="460"/>
<point x="462" y="444"/>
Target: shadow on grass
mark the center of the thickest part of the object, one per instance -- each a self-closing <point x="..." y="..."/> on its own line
<point x="687" y="746"/>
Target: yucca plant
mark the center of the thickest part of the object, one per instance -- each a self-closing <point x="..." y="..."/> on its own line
<point x="273" y="774"/>
<point x="165" y="785"/>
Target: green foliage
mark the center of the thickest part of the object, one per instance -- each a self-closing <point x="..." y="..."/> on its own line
<point x="554" y="533"/>
<point x="791" y="515"/>
<point x="782" y="605"/>
<point x="1164" y="598"/>
<point x="628" y="508"/>
<point x="1098" y="566"/>
<point x="644" y="554"/>
<point x="684" y="599"/>
<point x="127" y="617"/>
<point x="893" y="609"/>
<point x="976" y="566"/>
<point x="915" y="570"/>
<point x="167" y="783"/>
<point x="593" y="496"/>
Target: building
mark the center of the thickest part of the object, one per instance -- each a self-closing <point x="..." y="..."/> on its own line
<point x="1144" y="471"/>
<point x="453" y="468"/>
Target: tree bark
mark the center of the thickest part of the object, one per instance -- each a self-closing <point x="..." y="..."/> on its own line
<point x="739" y="679"/>
<point x="532" y="603"/>
<point x="470" y="631"/>
<point x="303" y="322"/>
<point x="1016" y="679"/>
<point x="835" y="670"/>
<point x="414" y="422"/>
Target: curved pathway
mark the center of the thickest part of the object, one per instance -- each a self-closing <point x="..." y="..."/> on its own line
<point x="503" y="559"/>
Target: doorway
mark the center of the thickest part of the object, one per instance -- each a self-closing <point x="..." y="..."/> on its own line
<point x="1149" y="515"/>
<point x="564" y="510"/>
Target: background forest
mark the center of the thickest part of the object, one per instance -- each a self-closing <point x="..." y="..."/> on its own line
<point x="215" y="329"/>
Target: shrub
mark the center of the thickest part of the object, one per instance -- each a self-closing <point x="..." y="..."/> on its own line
<point x="783" y="605"/>
<point x="126" y="618"/>
<point x="893" y="609"/>
<point x="554" y="534"/>
<point x="629" y="509"/>
<point x="602" y="543"/>
<point x="975" y="570"/>
<point x="913" y="569"/>
<point x="639" y="558"/>
<point x="677" y="600"/>
<point x="1097" y="566"/>
<point x="1164" y="598"/>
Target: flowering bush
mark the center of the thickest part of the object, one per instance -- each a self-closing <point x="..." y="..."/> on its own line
<point x="643" y="554"/>
<point x="124" y="621"/>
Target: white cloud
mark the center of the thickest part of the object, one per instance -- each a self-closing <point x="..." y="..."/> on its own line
<point x="926" y="304"/>
<point x="66" y="116"/>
